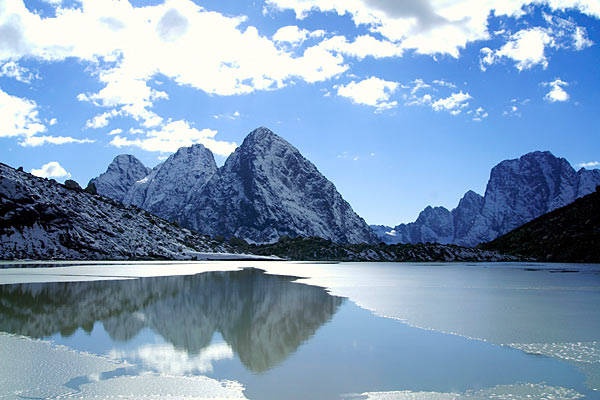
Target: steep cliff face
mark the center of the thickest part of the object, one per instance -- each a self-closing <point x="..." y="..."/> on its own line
<point x="120" y="176"/>
<point x="267" y="189"/>
<point x="518" y="191"/>
<point x="165" y="190"/>
<point x="465" y="215"/>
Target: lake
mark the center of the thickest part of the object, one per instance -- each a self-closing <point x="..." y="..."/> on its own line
<point x="291" y="330"/>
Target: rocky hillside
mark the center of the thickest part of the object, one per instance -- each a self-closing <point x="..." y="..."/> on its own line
<point x="318" y="249"/>
<point x="568" y="234"/>
<point x="42" y="219"/>
<point x="518" y="191"/>
<point x="266" y="189"/>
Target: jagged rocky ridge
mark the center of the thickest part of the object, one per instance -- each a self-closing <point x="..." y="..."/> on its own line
<point x="518" y="191"/>
<point x="265" y="190"/>
<point x="264" y="318"/>
<point x="42" y="219"/>
<point x="567" y="234"/>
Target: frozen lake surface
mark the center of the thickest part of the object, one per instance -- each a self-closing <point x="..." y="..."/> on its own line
<point x="284" y="330"/>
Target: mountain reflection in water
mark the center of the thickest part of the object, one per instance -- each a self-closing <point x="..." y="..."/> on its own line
<point x="263" y="318"/>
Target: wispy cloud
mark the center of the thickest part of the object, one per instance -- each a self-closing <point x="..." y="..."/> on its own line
<point x="589" y="164"/>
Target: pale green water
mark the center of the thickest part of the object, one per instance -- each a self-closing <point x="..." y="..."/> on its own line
<point x="245" y="333"/>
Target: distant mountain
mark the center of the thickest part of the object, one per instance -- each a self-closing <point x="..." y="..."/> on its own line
<point x="120" y="176"/>
<point x="567" y="234"/>
<point x="518" y="191"/>
<point x="266" y="189"/>
<point x="42" y="219"/>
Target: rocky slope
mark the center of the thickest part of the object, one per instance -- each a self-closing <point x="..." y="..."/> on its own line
<point x="518" y="191"/>
<point x="266" y="189"/>
<point x="567" y="234"/>
<point x="42" y="219"/>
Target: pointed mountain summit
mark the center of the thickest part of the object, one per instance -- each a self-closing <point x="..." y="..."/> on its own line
<point x="267" y="189"/>
<point x="165" y="190"/>
<point x="120" y="176"/>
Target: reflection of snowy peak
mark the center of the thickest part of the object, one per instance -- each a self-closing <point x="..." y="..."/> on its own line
<point x="120" y="176"/>
<point x="42" y="219"/>
<point x="264" y="318"/>
<point x="518" y="191"/>
<point x="265" y="190"/>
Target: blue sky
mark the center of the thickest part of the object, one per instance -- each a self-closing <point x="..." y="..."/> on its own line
<point x="402" y="104"/>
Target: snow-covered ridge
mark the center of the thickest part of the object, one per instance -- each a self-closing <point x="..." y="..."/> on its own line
<point x="42" y="219"/>
<point x="518" y="191"/>
<point x="265" y="190"/>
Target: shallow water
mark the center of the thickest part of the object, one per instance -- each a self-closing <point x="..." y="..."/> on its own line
<point x="266" y="336"/>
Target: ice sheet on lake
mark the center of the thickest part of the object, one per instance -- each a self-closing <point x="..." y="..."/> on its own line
<point x="39" y="369"/>
<point x="581" y="352"/>
<point x="585" y="355"/>
<point x="527" y="391"/>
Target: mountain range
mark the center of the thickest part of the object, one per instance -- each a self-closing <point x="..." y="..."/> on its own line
<point x="518" y="191"/>
<point x="266" y="189"/>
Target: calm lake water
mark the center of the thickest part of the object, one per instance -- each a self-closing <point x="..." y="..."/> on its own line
<point x="268" y="330"/>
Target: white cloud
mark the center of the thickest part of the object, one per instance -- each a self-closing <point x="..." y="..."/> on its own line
<point x="51" y="170"/>
<point x="479" y="114"/>
<point x="34" y="141"/>
<point x="439" y="95"/>
<point x="13" y="70"/>
<point x="557" y="93"/>
<point x="52" y="122"/>
<point x="512" y="111"/>
<point x="441" y="82"/>
<point x="100" y="120"/>
<point x="115" y="132"/>
<point x="427" y="26"/>
<point x="580" y="39"/>
<point x="232" y="116"/>
<point x="527" y="48"/>
<point x="127" y="47"/>
<point x="294" y="35"/>
<point x="174" y="135"/>
<point x="373" y="91"/>
<point x="590" y="164"/>
<point x="18" y="116"/>
<point x="453" y="103"/>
